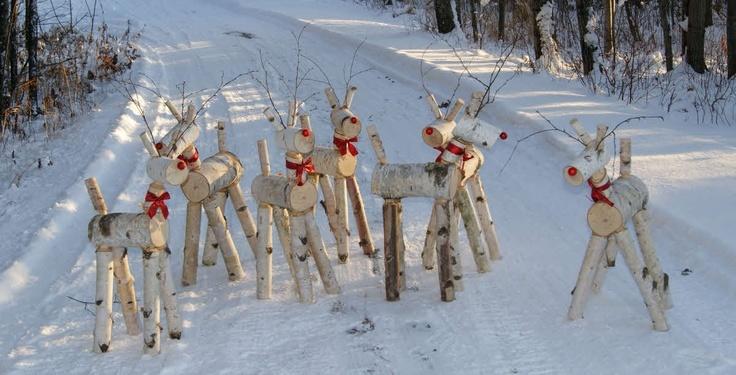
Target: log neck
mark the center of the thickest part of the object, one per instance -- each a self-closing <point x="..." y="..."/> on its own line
<point x="154" y="204"/>
<point x="191" y="157"/>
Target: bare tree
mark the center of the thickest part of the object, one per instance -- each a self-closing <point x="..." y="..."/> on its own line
<point x="474" y="5"/>
<point x="443" y="12"/>
<point x="31" y="38"/>
<point x="731" y="37"/>
<point x="4" y="26"/>
<point x="696" y="35"/>
<point x="536" y="8"/>
<point x="501" y="18"/>
<point x="586" y="51"/>
<point x="609" y="15"/>
<point x="664" y="12"/>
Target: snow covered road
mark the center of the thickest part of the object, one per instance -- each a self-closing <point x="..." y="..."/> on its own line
<point x="511" y="320"/>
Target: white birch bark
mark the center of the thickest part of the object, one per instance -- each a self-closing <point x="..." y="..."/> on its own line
<point x="300" y="255"/>
<point x="345" y="122"/>
<point x="328" y="161"/>
<point x="216" y="173"/>
<point x="227" y="247"/>
<point x="392" y="229"/>
<point x="644" y="282"/>
<point x="151" y="302"/>
<point x="167" y="170"/>
<point x="625" y="157"/>
<point x="455" y="256"/>
<point x="585" y="165"/>
<point x="128" y="230"/>
<point x="430" y="240"/>
<point x="281" y="222"/>
<point x="328" y="201"/>
<point x="485" y="219"/>
<point x="126" y="290"/>
<point x="361" y="220"/>
<point x="263" y="251"/>
<point x="243" y="213"/>
<point x="293" y="139"/>
<point x="477" y="132"/>
<point x="472" y="228"/>
<point x="580" y="294"/>
<point x="319" y="254"/>
<point x="168" y="296"/>
<point x="211" y="246"/>
<point x="641" y="226"/>
<point x="431" y="180"/>
<point x="182" y="141"/>
<point x="439" y="133"/>
<point x="608" y="259"/>
<point x="629" y="195"/>
<point x="377" y="144"/>
<point x="280" y="191"/>
<point x="341" y="209"/>
<point x="444" y="219"/>
<point x="191" y="244"/>
<point x="103" y="301"/>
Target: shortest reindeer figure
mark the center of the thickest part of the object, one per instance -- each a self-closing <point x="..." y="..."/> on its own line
<point x="615" y="204"/>
<point x="289" y="202"/>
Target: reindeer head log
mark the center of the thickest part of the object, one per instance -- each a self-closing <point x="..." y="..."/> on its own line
<point x="343" y="120"/>
<point x="591" y="160"/>
<point x="439" y="133"/>
<point x="166" y="170"/>
<point x="477" y="132"/>
<point x="298" y="140"/>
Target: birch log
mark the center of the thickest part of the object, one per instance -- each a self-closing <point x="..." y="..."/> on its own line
<point x="167" y="170"/>
<point x="472" y="228"/>
<point x="263" y="251"/>
<point x="296" y="140"/>
<point x="103" y="301"/>
<point x="341" y="209"/>
<point x="585" y="165"/>
<point x="455" y="257"/>
<point x="191" y="244"/>
<point x="227" y="247"/>
<point x="280" y="191"/>
<point x="431" y="180"/>
<point x="629" y="195"/>
<point x="439" y="133"/>
<point x="216" y="173"/>
<point x="608" y="259"/>
<point x="361" y="221"/>
<point x="127" y="230"/>
<point x="281" y="222"/>
<point x="392" y="229"/>
<point x="328" y="202"/>
<point x="377" y="144"/>
<point x="173" y="110"/>
<point x="328" y="161"/>
<point x="182" y="141"/>
<point x="168" y="296"/>
<point x="126" y="290"/>
<point x="661" y="279"/>
<point x="477" y="132"/>
<point x="243" y="213"/>
<point x="484" y="217"/>
<point x="444" y="219"/>
<point x="151" y="302"/>
<point x="211" y="246"/>
<point x="585" y="276"/>
<point x="319" y="254"/>
<point x="430" y="240"/>
<point x="300" y="253"/>
<point x="644" y="282"/>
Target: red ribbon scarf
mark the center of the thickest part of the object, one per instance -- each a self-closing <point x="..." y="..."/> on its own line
<point x="157" y="203"/>
<point x="346" y="145"/>
<point x="454" y="149"/>
<point x="194" y="158"/>
<point x="596" y="193"/>
<point x="305" y="166"/>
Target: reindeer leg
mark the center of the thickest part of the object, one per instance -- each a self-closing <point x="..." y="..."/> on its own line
<point x="263" y="250"/>
<point x="643" y="281"/>
<point x="430" y="240"/>
<point x="484" y="217"/>
<point x="126" y="290"/>
<point x="225" y="241"/>
<point x="444" y="216"/>
<point x="343" y="239"/>
<point x="392" y="233"/>
<point x="281" y="222"/>
<point x="244" y="215"/>
<point x="168" y="296"/>
<point x="641" y="226"/>
<point x="151" y="302"/>
<point x="103" y="299"/>
<point x="319" y="254"/>
<point x="455" y="259"/>
<point x="361" y="221"/>
<point x="328" y="203"/>
<point x="472" y="228"/>
<point x="585" y="277"/>
<point x="608" y="259"/>
<point x="191" y="244"/>
<point x="209" y="254"/>
<point x="300" y="254"/>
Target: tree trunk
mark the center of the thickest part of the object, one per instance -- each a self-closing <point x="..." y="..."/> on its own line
<point x="586" y="51"/>
<point x="13" y="48"/>
<point x="631" y="20"/>
<point x="31" y="31"/>
<point x="696" y="36"/>
<point x="536" y="8"/>
<point x="4" y="24"/>
<point x="731" y="37"/>
<point x="708" y="13"/>
<point x="460" y="12"/>
<point x="501" y="18"/>
<point x="443" y="13"/>
<point x="474" y="19"/>
<point x="683" y="16"/>
<point x="609" y="14"/>
<point x="664" y="11"/>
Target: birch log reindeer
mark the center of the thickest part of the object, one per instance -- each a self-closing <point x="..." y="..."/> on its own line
<point x="458" y="146"/>
<point x="616" y="203"/>
<point x="209" y="184"/>
<point x="338" y="163"/>
<point x="291" y="199"/>
<point x="113" y="234"/>
<point x="393" y="182"/>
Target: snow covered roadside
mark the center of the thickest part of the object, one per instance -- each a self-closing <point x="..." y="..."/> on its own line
<point x="508" y="321"/>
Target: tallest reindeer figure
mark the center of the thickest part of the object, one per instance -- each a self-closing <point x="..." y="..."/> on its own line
<point x="339" y="162"/>
<point x="615" y="204"/>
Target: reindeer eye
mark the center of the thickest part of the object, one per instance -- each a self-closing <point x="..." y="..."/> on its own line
<point x="354" y="120"/>
<point x="572" y="171"/>
<point x="428" y="131"/>
<point x="306" y="133"/>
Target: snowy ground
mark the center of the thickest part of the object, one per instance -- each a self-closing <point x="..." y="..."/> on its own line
<point x="511" y="320"/>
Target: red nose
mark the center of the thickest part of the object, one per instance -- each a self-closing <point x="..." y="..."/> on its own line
<point x="181" y="165"/>
<point x="572" y="171"/>
<point x="428" y="131"/>
<point x="503" y="136"/>
<point x="159" y="146"/>
<point x="354" y="120"/>
<point x="306" y="133"/>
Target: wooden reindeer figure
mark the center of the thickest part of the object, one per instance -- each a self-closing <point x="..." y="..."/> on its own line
<point x="209" y="184"/>
<point x="393" y="182"/>
<point x="616" y="203"/>
<point x="339" y="162"/>
<point x="289" y="202"/>
<point x="456" y="143"/>
<point x="113" y="234"/>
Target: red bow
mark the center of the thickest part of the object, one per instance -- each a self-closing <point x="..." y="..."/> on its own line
<point x="345" y="145"/>
<point x="596" y="193"/>
<point x="455" y="150"/>
<point x="305" y="166"/>
<point x="157" y="202"/>
<point x="194" y="158"/>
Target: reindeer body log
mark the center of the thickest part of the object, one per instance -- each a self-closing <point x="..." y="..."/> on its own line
<point x="415" y="180"/>
<point x="328" y="161"/>
<point x="128" y="230"/>
<point x="629" y="195"/>
<point x="282" y="192"/>
<point x="216" y="173"/>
